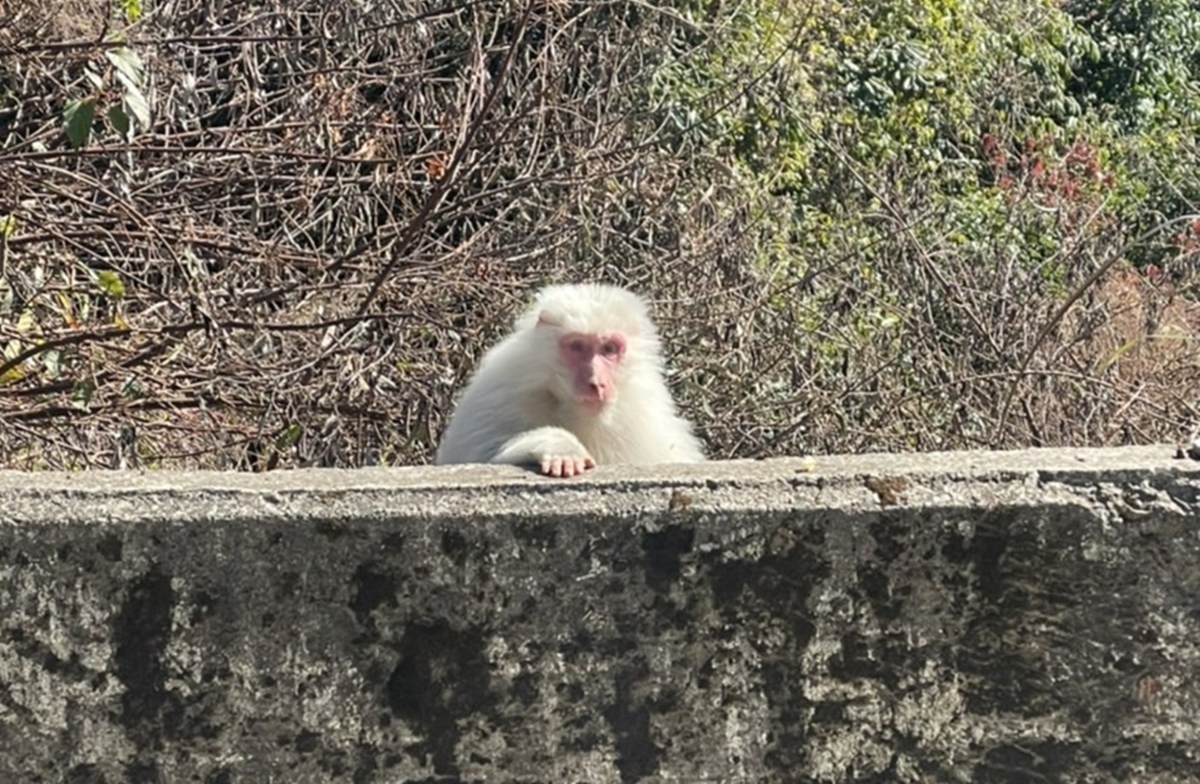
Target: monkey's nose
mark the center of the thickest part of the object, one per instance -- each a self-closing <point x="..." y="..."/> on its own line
<point x="600" y="390"/>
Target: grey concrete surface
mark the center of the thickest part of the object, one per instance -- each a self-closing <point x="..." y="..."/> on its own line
<point x="989" y="617"/>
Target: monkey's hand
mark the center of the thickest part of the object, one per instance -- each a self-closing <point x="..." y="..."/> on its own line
<point x="569" y="465"/>
<point x="555" y="450"/>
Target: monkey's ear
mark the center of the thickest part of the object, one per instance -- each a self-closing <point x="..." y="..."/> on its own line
<point x="546" y="320"/>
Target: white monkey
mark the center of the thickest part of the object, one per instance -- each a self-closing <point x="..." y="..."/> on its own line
<point x="578" y="382"/>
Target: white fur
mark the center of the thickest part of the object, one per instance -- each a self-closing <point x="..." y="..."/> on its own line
<point x="518" y="406"/>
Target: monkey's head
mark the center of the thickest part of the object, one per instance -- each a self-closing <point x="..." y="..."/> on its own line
<point x="597" y="332"/>
<point x="591" y="363"/>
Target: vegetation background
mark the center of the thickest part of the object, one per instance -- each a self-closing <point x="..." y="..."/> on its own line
<point x="255" y="235"/>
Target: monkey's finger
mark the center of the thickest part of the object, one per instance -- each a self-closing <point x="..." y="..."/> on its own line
<point x="557" y="465"/>
<point x="577" y="465"/>
<point x="554" y="465"/>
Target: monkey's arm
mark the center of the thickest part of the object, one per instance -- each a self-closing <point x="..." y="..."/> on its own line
<point x="555" y="450"/>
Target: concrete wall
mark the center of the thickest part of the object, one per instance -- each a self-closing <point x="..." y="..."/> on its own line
<point x="1004" y="617"/>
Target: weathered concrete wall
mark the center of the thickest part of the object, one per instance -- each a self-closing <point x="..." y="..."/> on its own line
<point x="1007" y="617"/>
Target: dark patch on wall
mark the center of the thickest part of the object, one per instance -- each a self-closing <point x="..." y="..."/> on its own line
<point x="287" y="584"/>
<point x="985" y="554"/>
<point x="893" y="535"/>
<point x="1008" y="582"/>
<point x="856" y="659"/>
<point x="525" y="688"/>
<point x="537" y="536"/>
<point x="374" y="587"/>
<point x="776" y="586"/>
<point x="307" y="741"/>
<point x="664" y="552"/>
<point x="441" y="676"/>
<point x="885" y="597"/>
<point x="455" y="547"/>
<point x="85" y="774"/>
<point x="773" y="592"/>
<point x="332" y="530"/>
<point x="638" y="755"/>
<point x="143" y="773"/>
<point x="392" y="543"/>
<point x="366" y="766"/>
<point x="219" y="776"/>
<point x="141" y="630"/>
<point x="203" y="605"/>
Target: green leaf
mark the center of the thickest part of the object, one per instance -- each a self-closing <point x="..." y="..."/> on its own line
<point x="111" y="283"/>
<point x="8" y="224"/>
<point x="81" y="394"/>
<point x="15" y="373"/>
<point x="78" y="116"/>
<point x="128" y="64"/>
<point x="129" y="71"/>
<point x="136" y="104"/>
<point x="119" y="120"/>
<point x="132" y="9"/>
<point x="53" y="361"/>
<point x="289" y="436"/>
<point x="93" y="77"/>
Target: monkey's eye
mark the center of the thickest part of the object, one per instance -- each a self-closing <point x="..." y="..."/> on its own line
<point x="576" y="347"/>
<point x="610" y="349"/>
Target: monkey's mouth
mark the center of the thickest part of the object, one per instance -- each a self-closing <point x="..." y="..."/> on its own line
<point x="593" y="405"/>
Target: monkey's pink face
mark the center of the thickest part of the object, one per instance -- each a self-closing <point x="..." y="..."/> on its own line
<point x="592" y="362"/>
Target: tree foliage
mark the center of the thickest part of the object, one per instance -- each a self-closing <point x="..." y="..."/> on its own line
<point x="231" y="236"/>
